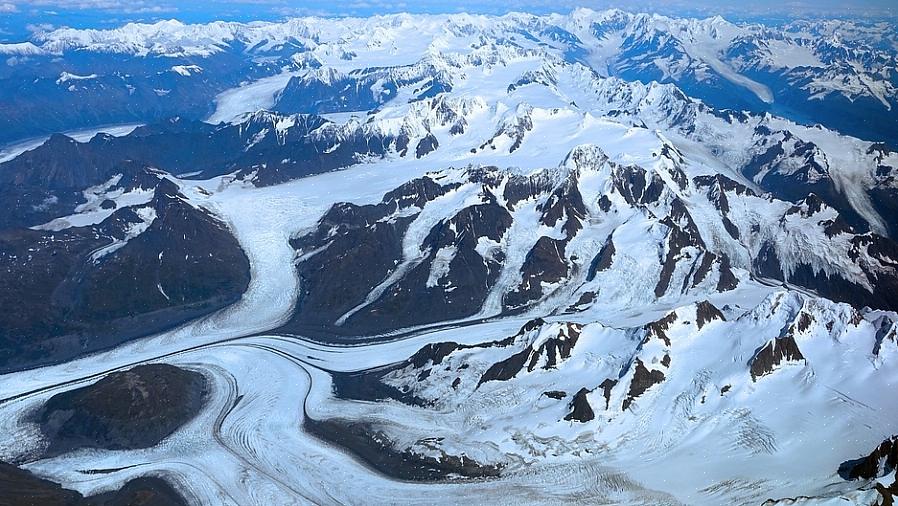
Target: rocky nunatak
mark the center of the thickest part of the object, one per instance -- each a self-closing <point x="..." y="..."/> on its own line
<point x="130" y="409"/>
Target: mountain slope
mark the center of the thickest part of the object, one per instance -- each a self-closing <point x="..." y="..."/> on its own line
<point x="483" y="242"/>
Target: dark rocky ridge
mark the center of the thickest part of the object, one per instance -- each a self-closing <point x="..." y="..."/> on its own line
<point x="358" y="283"/>
<point x="602" y="261"/>
<point x="60" y="302"/>
<point x="880" y="462"/>
<point x="49" y="182"/>
<point x="581" y="411"/>
<point x="551" y="352"/>
<point x="329" y="91"/>
<point x="772" y="354"/>
<point x="658" y="328"/>
<point x="545" y="263"/>
<point x="794" y="185"/>
<point x="506" y="369"/>
<point x="357" y="280"/>
<point x="426" y="145"/>
<point x="19" y="487"/>
<point x="377" y="450"/>
<point x="607" y="386"/>
<point x="33" y="102"/>
<point x="359" y="248"/>
<point x="643" y="379"/>
<point x="271" y="148"/>
<point x="705" y="312"/>
<point x="355" y="249"/>
<point x="368" y="385"/>
<point x="130" y="409"/>
<point x="885" y="200"/>
<point x="833" y="286"/>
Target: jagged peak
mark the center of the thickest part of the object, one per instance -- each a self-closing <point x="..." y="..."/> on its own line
<point x="585" y="157"/>
<point x="560" y="331"/>
<point x="802" y="314"/>
<point x="58" y="139"/>
<point x="324" y="75"/>
<point x="262" y="116"/>
<point x="784" y="304"/>
<point x="706" y="312"/>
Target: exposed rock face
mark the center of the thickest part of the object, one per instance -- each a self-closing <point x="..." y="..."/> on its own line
<point x="348" y="284"/>
<point x="545" y="263"/>
<point x="359" y="255"/>
<point x="683" y="241"/>
<point x="50" y="181"/>
<point x="143" y="269"/>
<point x="875" y="256"/>
<point x="658" y="329"/>
<point x="716" y="188"/>
<point x="20" y="487"/>
<point x="886" y="201"/>
<point x="327" y="90"/>
<point x="886" y="334"/>
<point x="565" y="204"/>
<point x="426" y="145"/>
<point x="356" y="249"/>
<point x="377" y="449"/>
<point x="433" y="353"/>
<point x="888" y="494"/>
<point x="550" y="352"/>
<point x="606" y="387"/>
<point x="140" y="491"/>
<point x="705" y="312"/>
<point x="132" y="409"/>
<point x="791" y="169"/>
<point x="512" y="131"/>
<point x="360" y="275"/>
<point x="453" y="245"/>
<point x="271" y="147"/>
<point x="538" y="345"/>
<point x="643" y="379"/>
<point x="881" y="461"/>
<point x="865" y="470"/>
<point x="506" y="369"/>
<point x="581" y="411"/>
<point x="637" y="186"/>
<point x="772" y="354"/>
<point x="602" y="261"/>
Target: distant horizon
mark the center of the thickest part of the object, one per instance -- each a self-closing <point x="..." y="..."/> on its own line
<point x="21" y="19"/>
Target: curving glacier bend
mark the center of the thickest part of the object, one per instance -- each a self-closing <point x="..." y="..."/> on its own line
<point x="654" y="316"/>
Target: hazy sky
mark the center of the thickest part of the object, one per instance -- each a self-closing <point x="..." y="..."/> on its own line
<point x="19" y="17"/>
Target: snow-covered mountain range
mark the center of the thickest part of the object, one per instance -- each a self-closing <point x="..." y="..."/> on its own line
<point x="453" y="258"/>
<point x="840" y="74"/>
